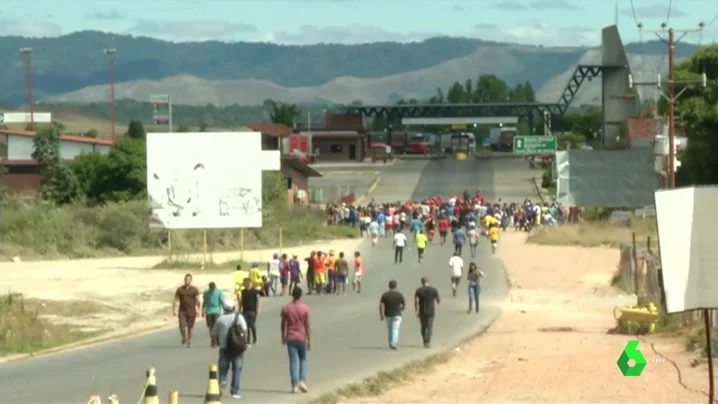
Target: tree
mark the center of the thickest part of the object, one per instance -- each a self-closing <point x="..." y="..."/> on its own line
<point x="284" y="113"/>
<point x="59" y="183"/>
<point x="93" y="133"/>
<point x="183" y="127"/>
<point x="136" y="130"/>
<point x="697" y="113"/>
<point x="203" y="126"/>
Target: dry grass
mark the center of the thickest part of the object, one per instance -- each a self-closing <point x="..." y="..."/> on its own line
<point x="186" y="263"/>
<point x="24" y="330"/>
<point x="377" y="385"/>
<point x="595" y="234"/>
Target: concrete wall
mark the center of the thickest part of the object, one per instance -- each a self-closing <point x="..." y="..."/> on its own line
<point x="617" y="107"/>
<point x="21" y="148"/>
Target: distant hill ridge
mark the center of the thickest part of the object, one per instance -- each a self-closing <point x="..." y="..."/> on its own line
<point x="249" y="73"/>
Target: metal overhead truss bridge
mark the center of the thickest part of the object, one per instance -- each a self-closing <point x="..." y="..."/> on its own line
<point x="522" y="110"/>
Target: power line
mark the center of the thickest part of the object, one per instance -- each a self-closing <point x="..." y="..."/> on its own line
<point x="668" y="13"/>
<point x="713" y="20"/>
<point x="633" y="10"/>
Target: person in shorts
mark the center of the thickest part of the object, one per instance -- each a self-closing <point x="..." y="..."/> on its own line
<point x="358" y="272"/>
<point x="295" y="272"/>
<point x="342" y="272"/>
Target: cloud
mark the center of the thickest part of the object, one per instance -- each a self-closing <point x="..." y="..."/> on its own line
<point x="538" y="5"/>
<point x="347" y="34"/>
<point x="539" y="32"/>
<point x="112" y="15"/>
<point x="29" y="28"/>
<point x="655" y="10"/>
<point x="197" y="29"/>
<point x="457" y="8"/>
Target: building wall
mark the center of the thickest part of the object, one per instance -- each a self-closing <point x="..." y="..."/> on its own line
<point x="23" y="180"/>
<point x="21" y="148"/>
<point x="299" y="181"/>
<point x="337" y="149"/>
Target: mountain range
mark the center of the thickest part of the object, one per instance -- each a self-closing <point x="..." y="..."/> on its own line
<point x="73" y="68"/>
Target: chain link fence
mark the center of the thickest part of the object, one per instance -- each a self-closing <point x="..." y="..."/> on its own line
<point x="332" y="194"/>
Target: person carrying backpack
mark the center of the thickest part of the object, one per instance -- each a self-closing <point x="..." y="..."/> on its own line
<point x="231" y="331"/>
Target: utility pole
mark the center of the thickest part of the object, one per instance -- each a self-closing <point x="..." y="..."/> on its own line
<point x="27" y="64"/>
<point x="110" y="52"/>
<point x="671" y="42"/>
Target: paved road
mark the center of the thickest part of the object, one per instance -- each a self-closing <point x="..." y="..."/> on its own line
<point x="349" y="341"/>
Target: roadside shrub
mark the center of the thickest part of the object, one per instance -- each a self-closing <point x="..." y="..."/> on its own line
<point x="32" y="228"/>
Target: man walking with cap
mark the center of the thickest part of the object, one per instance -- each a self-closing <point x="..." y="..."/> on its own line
<point x="296" y="336"/>
<point x="228" y="355"/>
<point x="425" y="300"/>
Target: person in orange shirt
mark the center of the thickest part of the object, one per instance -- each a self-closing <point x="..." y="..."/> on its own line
<point x="331" y="268"/>
<point x="319" y="271"/>
<point x="358" y="272"/>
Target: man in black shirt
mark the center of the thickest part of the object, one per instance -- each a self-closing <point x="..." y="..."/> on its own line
<point x="391" y="305"/>
<point x="250" y="305"/>
<point x="425" y="300"/>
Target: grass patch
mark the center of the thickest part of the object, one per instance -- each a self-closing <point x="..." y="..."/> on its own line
<point x="33" y="229"/>
<point x="696" y="342"/>
<point x="377" y="385"/>
<point x="22" y="330"/>
<point x="596" y="234"/>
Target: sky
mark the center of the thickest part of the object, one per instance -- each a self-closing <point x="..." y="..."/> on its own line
<point x="535" y="22"/>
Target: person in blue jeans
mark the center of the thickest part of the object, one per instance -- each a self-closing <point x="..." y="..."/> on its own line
<point x="474" y="279"/>
<point x="391" y="306"/>
<point x="227" y="357"/>
<point x="459" y="239"/>
<point x="296" y="336"/>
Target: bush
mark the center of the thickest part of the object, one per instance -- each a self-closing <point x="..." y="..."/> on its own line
<point x="34" y="228"/>
<point x="23" y="331"/>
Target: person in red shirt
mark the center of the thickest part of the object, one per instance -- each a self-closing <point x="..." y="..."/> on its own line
<point x="297" y="337"/>
<point x="443" y="228"/>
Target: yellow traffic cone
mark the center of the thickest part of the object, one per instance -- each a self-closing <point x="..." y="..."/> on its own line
<point x="213" y="396"/>
<point x="113" y="399"/>
<point x="151" y="396"/>
<point x="95" y="400"/>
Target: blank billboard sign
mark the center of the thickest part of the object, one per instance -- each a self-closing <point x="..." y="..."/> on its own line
<point x="206" y="180"/>
<point x="689" y="254"/>
<point x="606" y="178"/>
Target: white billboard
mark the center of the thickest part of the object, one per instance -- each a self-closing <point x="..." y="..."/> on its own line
<point x="206" y="180"/>
<point x="25" y="117"/>
<point x="689" y="257"/>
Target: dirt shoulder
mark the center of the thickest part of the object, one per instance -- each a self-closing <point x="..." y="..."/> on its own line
<point x="114" y="297"/>
<point x="551" y="342"/>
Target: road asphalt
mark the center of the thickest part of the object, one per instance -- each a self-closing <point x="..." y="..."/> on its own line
<point x="349" y="341"/>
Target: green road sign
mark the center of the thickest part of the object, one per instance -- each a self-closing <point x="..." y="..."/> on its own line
<point x="534" y="144"/>
<point x="631" y="352"/>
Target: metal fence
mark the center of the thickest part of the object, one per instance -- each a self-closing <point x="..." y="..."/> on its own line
<point x="332" y="193"/>
<point x="640" y="271"/>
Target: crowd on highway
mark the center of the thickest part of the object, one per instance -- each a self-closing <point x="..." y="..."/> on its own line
<point x="461" y="220"/>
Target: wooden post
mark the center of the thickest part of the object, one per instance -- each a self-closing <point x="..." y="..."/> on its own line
<point x="280" y="240"/>
<point x="648" y="243"/>
<point x="169" y="242"/>
<point x="204" y="248"/>
<point x="241" y="244"/>
<point x="635" y="265"/>
<point x="174" y="397"/>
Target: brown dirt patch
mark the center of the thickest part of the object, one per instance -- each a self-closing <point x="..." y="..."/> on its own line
<point x="551" y="343"/>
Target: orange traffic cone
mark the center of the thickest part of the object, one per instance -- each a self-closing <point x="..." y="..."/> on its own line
<point x="151" y="396"/>
<point x="213" y="396"/>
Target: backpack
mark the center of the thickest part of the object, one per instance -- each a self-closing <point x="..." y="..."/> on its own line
<point x="236" y="338"/>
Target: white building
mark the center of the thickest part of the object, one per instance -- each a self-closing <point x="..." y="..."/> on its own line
<point x="18" y="145"/>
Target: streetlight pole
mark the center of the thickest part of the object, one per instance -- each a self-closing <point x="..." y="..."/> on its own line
<point x="110" y="52"/>
<point x="671" y="42"/>
<point x="27" y="65"/>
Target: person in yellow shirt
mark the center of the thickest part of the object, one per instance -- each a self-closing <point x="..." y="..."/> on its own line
<point x="238" y="278"/>
<point x="256" y="277"/>
<point x="331" y="265"/>
<point x="494" y="237"/>
<point x="421" y="241"/>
